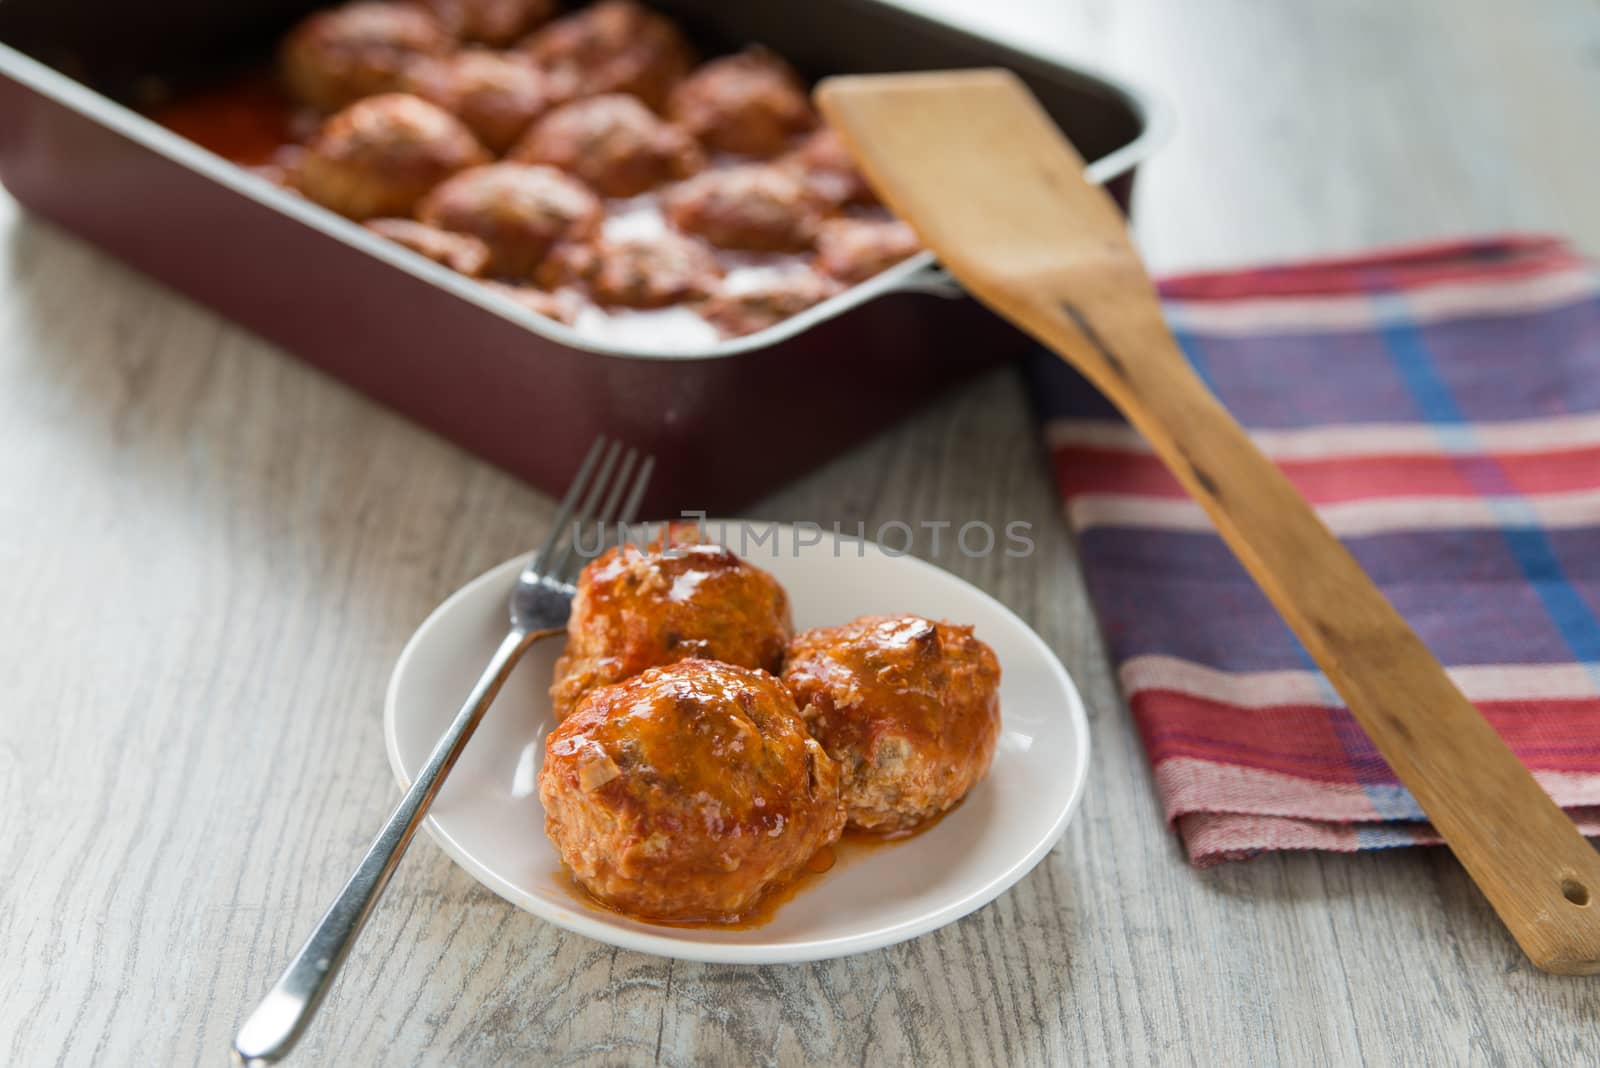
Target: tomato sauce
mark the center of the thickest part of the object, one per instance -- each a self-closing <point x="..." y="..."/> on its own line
<point x="850" y="848"/>
<point x="248" y="120"/>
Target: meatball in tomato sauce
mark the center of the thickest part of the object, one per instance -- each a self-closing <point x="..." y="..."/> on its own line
<point x="562" y="305"/>
<point x="521" y="212"/>
<point x="756" y="208"/>
<point x="336" y="57"/>
<point x="497" y="23"/>
<point x="614" y="143"/>
<point x="688" y="793"/>
<point x="638" y="608"/>
<point x="614" y="46"/>
<point x="459" y="252"/>
<point x="749" y="104"/>
<point x="636" y="272"/>
<point x="829" y="171"/>
<point x="853" y="250"/>
<point x="754" y="305"/>
<point x="381" y="155"/>
<point x="497" y="94"/>
<point x="909" y="708"/>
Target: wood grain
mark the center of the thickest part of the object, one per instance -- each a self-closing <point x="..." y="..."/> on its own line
<point x="1036" y="242"/>
<point x="185" y="785"/>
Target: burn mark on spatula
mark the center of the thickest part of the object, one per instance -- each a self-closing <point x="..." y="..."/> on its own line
<point x="1203" y="480"/>
<point x="1091" y="335"/>
<point x="1120" y="369"/>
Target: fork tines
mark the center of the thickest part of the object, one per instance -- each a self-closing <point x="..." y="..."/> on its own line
<point x="600" y="492"/>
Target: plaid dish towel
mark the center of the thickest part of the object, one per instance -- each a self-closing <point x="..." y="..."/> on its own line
<point x="1440" y="406"/>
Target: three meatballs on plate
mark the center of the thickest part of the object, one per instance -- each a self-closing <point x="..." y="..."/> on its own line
<point x="704" y="753"/>
<point x="528" y="132"/>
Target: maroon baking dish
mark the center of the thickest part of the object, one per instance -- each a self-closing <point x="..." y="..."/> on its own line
<point x="726" y="422"/>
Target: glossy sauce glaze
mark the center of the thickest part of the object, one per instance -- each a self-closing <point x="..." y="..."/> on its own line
<point x="689" y="792"/>
<point x="908" y="706"/>
<point x="853" y="846"/>
<point x="638" y="608"/>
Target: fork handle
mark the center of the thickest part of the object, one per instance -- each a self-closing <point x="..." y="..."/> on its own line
<point x="280" y="1019"/>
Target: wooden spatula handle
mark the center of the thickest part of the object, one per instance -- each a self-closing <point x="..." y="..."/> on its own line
<point x="973" y="163"/>
<point x="1535" y="868"/>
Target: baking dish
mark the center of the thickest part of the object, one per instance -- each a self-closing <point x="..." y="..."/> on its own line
<point x="727" y="421"/>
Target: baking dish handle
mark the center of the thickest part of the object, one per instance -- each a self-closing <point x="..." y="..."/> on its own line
<point x="932" y="280"/>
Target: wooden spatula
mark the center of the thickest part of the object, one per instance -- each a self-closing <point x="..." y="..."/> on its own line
<point x="975" y="165"/>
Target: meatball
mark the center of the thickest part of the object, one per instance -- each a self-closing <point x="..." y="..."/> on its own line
<point x="853" y="250"/>
<point x="756" y="207"/>
<point x="766" y="301"/>
<point x="752" y="104"/>
<point x="636" y="272"/>
<point x="562" y="305"/>
<point x="497" y="23"/>
<point x="829" y="170"/>
<point x="614" y="46"/>
<point x="497" y="94"/>
<point x="459" y="252"/>
<point x="381" y="155"/>
<point x="688" y="793"/>
<point x="639" y="608"/>
<point x="614" y="143"/>
<point x="520" y="212"/>
<point x="909" y="708"/>
<point x="336" y="57"/>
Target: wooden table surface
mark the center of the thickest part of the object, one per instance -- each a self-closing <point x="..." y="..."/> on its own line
<point x="213" y="556"/>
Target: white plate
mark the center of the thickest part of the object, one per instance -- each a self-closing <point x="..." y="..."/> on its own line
<point x="488" y="816"/>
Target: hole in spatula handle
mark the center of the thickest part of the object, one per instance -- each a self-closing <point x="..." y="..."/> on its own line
<point x="1575" y="892"/>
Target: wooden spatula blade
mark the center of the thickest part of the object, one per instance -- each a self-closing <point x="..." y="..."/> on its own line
<point x="973" y="163"/>
<point x="928" y="140"/>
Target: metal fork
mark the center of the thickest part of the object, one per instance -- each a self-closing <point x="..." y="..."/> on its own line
<point x="539" y="607"/>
